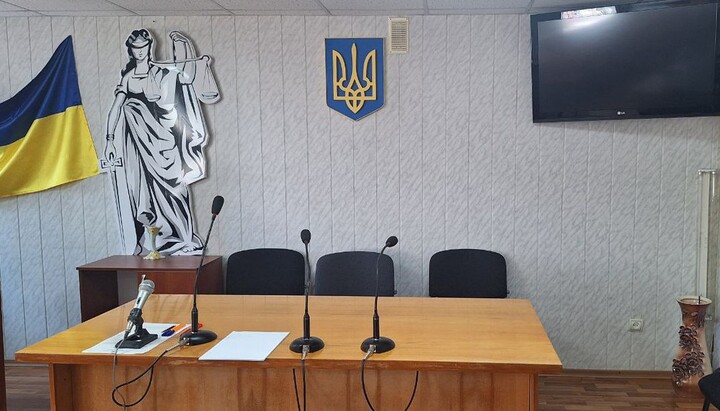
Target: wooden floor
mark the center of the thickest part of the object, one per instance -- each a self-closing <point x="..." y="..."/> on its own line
<point x="577" y="391"/>
<point x="27" y="390"/>
<point x="27" y="387"/>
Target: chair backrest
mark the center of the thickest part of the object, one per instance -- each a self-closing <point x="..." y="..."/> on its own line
<point x="353" y="273"/>
<point x="468" y="273"/>
<point x="276" y="271"/>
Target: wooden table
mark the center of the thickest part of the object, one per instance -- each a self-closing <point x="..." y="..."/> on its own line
<point x="172" y="275"/>
<point x="472" y="354"/>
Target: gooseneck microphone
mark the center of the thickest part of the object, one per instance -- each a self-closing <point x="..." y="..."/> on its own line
<point x="195" y="336"/>
<point x="381" y="344"/>
<point x="314" y="343"/>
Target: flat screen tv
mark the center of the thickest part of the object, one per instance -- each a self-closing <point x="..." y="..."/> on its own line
<point x="642" y="60"/>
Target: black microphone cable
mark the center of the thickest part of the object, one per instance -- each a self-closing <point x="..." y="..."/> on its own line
<point x="305" y="351"/>
<point x="151" y="369"/>
<point x="370" y="352"/>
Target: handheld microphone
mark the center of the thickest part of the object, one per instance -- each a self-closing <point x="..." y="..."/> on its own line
<point x="313" y="343"/>
<point x="382" y="344"/>
<point x="195" y="336"/>
<point x="145" y="288"/>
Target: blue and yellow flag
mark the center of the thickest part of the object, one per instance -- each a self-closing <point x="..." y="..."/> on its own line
<point x="45" y="140"/>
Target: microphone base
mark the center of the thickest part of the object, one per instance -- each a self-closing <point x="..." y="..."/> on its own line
<point x="315" y="344"/>
<point x="198" y="338"/>
<point x="382" y="344"/>
<point x="137" y="340"/>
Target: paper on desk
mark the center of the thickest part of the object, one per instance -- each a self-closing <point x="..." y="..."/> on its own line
<point x="245" y="346"/>
<point x="108" y="346"/>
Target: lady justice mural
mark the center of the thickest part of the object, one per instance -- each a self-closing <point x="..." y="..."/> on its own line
<point x="155" y="139"/>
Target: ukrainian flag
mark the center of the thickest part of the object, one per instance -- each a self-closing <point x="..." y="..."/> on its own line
<point x="44" y="136"/>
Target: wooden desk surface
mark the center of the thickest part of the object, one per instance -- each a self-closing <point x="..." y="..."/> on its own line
<point x="137" y="262"/>
<point x="499" y="335"/>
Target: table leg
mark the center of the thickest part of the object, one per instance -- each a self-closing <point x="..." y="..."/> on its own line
<point x="61" y="392"/>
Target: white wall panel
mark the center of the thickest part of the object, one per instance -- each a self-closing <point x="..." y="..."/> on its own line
<point x="86" y="59"/>
<point x="481" y="85"/>
<point x="700" y="138"/>
<point x="249" y="132"/>
<point x="296" y="132"/>
<point x="433" y="139"/>
<point x="527" y="150"/>
<point x="228" y="236"/>
<point x="318" y="137"/>
<point x="72" y="205"/>
<point x="596" y="220"/>
<point x="689" y="257"/>
<point x="573" y="219"/>
<point x="388" y="159"/>
<point x="410" y="248"/>
<point x="273" y="140"/>
<point x="41" y="48"/>
<point x="10" y="265"/>
<point x="670" y="246"/>
<point x="550" y="230"/>
<point x="110" y="62"/>
<point x="341" y="154"/>
<point x="320" y="219"/>
<point x="647" y="213"/>
<point x="457" y="137"/>
<point x="504" y="116"/>
<point x="594" y="330"/>
<point x="365" y="161"/>
<point x="622" y="231"/>
<point x="28" y="206"/>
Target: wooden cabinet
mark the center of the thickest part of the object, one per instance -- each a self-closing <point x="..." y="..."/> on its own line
<point x="172" y="275"/>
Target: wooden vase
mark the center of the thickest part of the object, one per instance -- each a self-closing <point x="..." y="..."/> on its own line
<point x="692" y="361"/>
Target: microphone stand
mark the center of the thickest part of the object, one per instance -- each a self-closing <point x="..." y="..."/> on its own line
<point x="314" y="343"/>
<point x="141" y="337"/>
<point x="196" y="336"/>
<point x="382" y="344"/>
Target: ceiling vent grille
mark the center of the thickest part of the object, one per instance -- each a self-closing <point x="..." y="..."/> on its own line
<point x="398" y="31"/>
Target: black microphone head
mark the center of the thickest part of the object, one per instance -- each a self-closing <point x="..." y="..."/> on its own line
<point x="217" y="204"/>
<point x="391" y="241"/>
<point x="305" y="236"/>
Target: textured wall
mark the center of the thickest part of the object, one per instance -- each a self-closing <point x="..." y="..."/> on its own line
<point x="597" y="220"/>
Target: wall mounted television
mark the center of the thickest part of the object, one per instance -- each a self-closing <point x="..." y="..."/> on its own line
<point x="641" y="60"/>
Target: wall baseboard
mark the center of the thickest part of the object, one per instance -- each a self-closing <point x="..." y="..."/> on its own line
<point x="614" y="373"/>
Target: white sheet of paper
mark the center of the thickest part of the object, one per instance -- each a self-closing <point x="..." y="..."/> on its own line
<point x="108" y="346"/>
<point x="245" y="346"/>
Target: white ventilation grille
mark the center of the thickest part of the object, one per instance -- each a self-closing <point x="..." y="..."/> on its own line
<point x="398" y="32"/>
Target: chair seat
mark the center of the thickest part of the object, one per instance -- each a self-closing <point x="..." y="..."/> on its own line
<point x="266" y="271"/>
<point x="710" y="387"/>
<point x="353" y="273"/>
<point x="468" y="273"/>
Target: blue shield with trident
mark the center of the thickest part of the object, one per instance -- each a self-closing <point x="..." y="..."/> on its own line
<point x="354" y="72"/>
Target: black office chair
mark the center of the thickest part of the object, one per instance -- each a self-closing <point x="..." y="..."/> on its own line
<point x="710" y="387"/>
<point x="353" y="273"/>
<point x="468" y="273"/>
<point x="266" y="271"/>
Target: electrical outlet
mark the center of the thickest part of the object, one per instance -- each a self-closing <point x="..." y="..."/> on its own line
<point x="635" y="324"/>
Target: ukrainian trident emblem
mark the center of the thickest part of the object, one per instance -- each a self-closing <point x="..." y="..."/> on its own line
<point x="354" y="71"/>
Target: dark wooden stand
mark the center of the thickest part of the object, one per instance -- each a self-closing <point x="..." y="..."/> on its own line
<point x="172" y="275"/>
